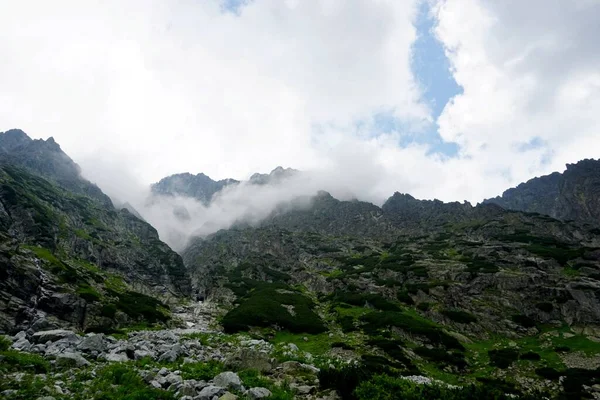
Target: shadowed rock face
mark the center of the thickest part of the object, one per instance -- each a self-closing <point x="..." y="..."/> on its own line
<point x="66" y="251"/>
<point x="573" y="195"/>
<point x="199" y="187"/>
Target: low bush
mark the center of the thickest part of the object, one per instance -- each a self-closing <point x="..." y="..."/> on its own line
<point x="523" y="320"/>
<point x="503" y="358"/>
<point x="530" y="355"/>
<point x="404" y="297"/>
<point x="5" y="343"/>
<point x="123" y="382"/>
<point x="140" y="306"/>
<point x="360" y="300"/>
<point x="442" y="356"/>
<point x="562" y="349"/>
<point x="545" y="307"/>
<point x="376" y="321"/>
<point x="18" y="361"/>
<point x="462" y="317"/>
<point x="264" y="307"/>
<point x="384" y="387"/>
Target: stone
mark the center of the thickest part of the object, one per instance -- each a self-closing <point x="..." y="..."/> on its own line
<point x="54" y="335"/>
<point x="173" y="378"/>
<point x="155" y="385"/>
<point x="169" y="356"/>
<point x="139" y="354"/>
<point x="22" y="345"/>
<point x="209" y="392"/>
<point x="249" y="359"/>
<point x="20" y="335"/>
<point x="188" y="388"/>
<point x="92" y="343"/>
<point x="305" y="389"/>
<point x="258" y="393"/>
<point x="46" y="398"/>
<point x="116" y="357"/>
<point x="66" y="360"/>
<point x="228" y="396"/>
<point x="229" y="380"/>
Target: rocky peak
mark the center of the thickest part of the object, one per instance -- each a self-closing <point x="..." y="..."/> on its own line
<point x="572" y="195"/>
<point x="275" y="176"/>
<point x="12" y="139"/>
<point x="199" y="186"/>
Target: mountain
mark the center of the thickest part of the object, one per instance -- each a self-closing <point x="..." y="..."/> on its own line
<point x="450" y="290"/>
<point x="69" y="257"/>
<point x="573" y="195"/>
<point x="203" y="188"/>
<point x="200" y="186"/>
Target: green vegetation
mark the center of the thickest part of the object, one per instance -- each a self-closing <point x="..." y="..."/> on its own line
<point x="139" y="306"/>
<point x="358" y="299"/>
<point x="4" y="343"/>
<point x="274" y="305"/>
<point x="503" y="358"/>
<point x="383" y="387"/>
<point x="19" y="361"/>
<point x="376" y="321"/>
<point x="460" y="316"/>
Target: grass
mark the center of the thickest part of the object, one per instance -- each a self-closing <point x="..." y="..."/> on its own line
<point x="13" y="361"/>
<point x="316" y="344"/>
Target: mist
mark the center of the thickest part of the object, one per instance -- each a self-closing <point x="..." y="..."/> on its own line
<point x="351" y="173"/>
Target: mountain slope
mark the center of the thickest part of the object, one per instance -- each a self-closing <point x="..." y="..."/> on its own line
<point x="572" y="195"/>
<point x="69" y="256"/>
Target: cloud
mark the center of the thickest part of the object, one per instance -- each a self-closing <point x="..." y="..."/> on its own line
<point x="138" y="90"/>
<point x="529" y="71"/>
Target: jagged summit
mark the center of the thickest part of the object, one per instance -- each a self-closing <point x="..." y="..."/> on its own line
<point x="572" y="195"/>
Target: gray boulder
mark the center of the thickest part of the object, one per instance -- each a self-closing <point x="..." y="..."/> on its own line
<point x="209" y="392"/>
<point x="258" y="393"/>
<point x="69" y="360"/>
<point x="116" y="357"/>
<point x="229" y="380"/>
<point x="22" y="345"/>
<point x="54" y="335"/>
<point x="93" y="343"/>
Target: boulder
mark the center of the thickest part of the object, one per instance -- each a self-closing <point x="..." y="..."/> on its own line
<point x="229" y="380"/>
<point x="116" y="357"/>
<point x="22" y="345"/>
<point x="209" y="392"/>
<point x="228" y="396"/>
<point x="93" y="343"/>
<point x="250" y="359"/>
<point x="258" y="393"/>
<point x="54" y="335"/>
<point x="69" y="360"/>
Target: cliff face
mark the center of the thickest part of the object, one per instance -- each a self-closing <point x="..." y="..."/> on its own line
<point x="572" y="195"/>
<point x="68" y="255"/>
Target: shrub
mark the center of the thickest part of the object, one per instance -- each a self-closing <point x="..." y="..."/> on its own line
<point x="404" y="297"/>
<point x="376" y="321"/>
<point x="342" y="345"/>
<point x="384" y="387"/>
<point x="442" y="356"/>
<point x="18" y="361"/>
<point x="5" y="343"/>
<point x="545" y="307"/>
<point x="503" y="358"/>
<point x="523" y="320"/>
<point x="462" y="317"/>
<point x="122" y="382"/>
<point x="393" y="349"/>
<point x="424" y="306"/>
<point x="562" y="349"/>
<point x="548" y="373"/>
<point x="358" y="299"/>
<point x="530" y="355"/>
<point x="88" y="293"/>
<point x="347" y="324"/>
<point x="263" y="307"/>
<point x="140" y="306"/>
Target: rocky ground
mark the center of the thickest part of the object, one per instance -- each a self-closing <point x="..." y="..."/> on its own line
<point x="195" y="362"/>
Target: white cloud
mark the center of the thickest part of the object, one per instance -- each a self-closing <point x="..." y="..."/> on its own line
<point x="182" y="86"/>
<point x="528" y="70"/>
<point x="141" y="89"/>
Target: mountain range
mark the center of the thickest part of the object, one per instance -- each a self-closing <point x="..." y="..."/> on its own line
<point x="505" y="293"/>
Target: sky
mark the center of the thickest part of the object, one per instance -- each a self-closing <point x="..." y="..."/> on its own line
<point x="448" y="99"/>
